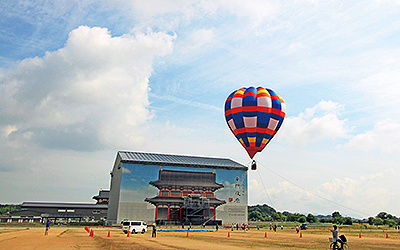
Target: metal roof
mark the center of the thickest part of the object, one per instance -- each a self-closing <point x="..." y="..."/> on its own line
<point x="179" y="160"/>
<point x="62" y="205"/>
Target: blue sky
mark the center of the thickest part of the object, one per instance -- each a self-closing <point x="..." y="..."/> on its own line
<point x="80" y="80"/>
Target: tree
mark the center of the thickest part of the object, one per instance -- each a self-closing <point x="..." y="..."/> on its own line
<point x="378" y="221"/>
<point x="389" y="222"/>
<point x="278" y="216"/>
<point x="337" y="218"/>
<point x="255" y="216"/>
<point x="382" y="215"/>
<point x="347" y="221"/>
<point x="4" y="209"/>
<point x="371" y="220"/>
<point x="311" y="218"/>
<point x="302" y="219"/>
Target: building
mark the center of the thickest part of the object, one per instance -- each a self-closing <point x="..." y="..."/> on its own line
<point x="61" y="211"/>
<point x="67" y="212"/>
<point x="102" y="197"/>
<point x="175" y="189"/>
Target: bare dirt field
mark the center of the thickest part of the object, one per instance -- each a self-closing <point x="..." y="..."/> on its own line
<point x="77" y="238"/>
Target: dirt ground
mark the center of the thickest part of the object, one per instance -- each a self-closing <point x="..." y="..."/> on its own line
<point x="77" y="238"/>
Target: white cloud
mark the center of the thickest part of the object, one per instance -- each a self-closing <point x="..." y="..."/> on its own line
<point x="179" y="11"/>
<point x="385" y="137"/>
<point x="95" y="87"/>
<point x="362" y="196"/>
<point x="198" y="40"/>
<point x="315" y="124"/>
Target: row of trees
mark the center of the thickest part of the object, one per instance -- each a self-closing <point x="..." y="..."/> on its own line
<point x="267" y="213"/>
<point x="384" y="218"/>
<point x="4" y="209"/>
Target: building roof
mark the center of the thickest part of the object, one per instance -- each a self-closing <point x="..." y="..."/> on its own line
<point x="186" y="179"/>
<point x="60" y="205"/>
<point x="103" y="194"/>
<point x="179" y="160"/>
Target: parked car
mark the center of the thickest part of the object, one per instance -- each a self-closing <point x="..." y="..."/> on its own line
<point x="134" y="227"/>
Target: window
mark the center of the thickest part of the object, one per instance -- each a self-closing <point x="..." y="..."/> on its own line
<point x="176" y="193"/>
<point x="71" y="211"/>
<point x="164" y="193"/>
<point x="209" y="195"/>
<point x="61" y="210"/>
<point x="96" y="211"/>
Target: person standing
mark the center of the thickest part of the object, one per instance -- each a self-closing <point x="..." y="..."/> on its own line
<point x="154" y="232"/>
<point x="47" y="227"/>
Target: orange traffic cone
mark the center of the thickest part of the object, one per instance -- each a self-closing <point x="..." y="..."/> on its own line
<point x="108" y="234"/>
<point x="187" y="234"/>
<point x="229" y="234"/>
<point x="91" y="233"/>
<point x="128" y="234"/>
<point x="301" y="235"/>
<point x="387" y="236"/>
<point x="265" y="235"/>
<point x="359" y="236"/>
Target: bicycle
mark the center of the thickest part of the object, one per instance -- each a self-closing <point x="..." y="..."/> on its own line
<point x="336" y="246"/>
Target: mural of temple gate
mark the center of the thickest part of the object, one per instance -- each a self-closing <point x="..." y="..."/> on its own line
<point x="185" y="197"/>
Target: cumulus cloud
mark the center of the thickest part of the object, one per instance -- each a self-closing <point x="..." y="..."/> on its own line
<point x="315" y="124"/>
<point x="385" y="137"/>
<point x="358" y="196"/>
<point x="91" y="93"/>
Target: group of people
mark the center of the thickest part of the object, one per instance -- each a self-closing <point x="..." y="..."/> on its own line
<point x="274" y="227"/>
<point x="243" y="226"/>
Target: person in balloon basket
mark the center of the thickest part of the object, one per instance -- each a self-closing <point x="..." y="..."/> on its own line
<point x="47" y="227"/>
<point x="335" y="235"/>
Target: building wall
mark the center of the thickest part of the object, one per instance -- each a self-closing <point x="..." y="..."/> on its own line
<point x="115" y="187"/>
<point x="127" y="198"/>
<point x="93" y="212"/>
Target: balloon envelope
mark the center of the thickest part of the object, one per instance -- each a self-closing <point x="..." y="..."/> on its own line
<point x="254" y="116"/>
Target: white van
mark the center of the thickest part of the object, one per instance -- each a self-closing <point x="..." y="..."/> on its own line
<point x="134" y="227"/>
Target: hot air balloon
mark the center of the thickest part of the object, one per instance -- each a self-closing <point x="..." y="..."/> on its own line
<point x="254" y="116"/>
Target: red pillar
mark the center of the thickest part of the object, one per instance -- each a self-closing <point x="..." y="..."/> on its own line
<point x="156" y="212"/>
<point x="215" y="215"/>
<point x="168" y="212"/>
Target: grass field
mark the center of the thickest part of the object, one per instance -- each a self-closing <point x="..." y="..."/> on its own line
<point x="77" y="238"/>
